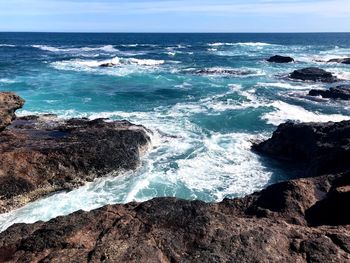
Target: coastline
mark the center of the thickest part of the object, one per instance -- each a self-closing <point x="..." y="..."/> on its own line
<point x="294" y="221"/>
<point x="261" y="144"/>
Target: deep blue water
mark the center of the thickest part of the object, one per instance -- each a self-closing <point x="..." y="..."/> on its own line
<point x="203" y="124"/>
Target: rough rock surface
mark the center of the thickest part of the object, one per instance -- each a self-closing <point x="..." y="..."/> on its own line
<point x="313" y="74"/>
<point x="9" y="103"/>
<point x="340" y="92"/>
<point x="322" y="147"/>
<point x="41" y="155"/>
<point x="271" y="226"/>
<point x="340" y="60"/>
<point x="304" y="220"/>
<point x="280" y="59"/>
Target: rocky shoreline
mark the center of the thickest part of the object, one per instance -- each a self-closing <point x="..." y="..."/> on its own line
<point x="302" y="220"/>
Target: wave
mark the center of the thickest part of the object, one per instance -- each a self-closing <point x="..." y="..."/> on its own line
<point x="7" y="81"/>
<point x="116" y="66"/>
<point x="250" y="44"/>
<point x="286" y="85"/>
<point x="287" y="112"/>
<point x="107" y="48"/>
<point x="7" y="45"/>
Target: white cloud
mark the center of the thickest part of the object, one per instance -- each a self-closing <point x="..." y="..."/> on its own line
<point x="223" y="7"/>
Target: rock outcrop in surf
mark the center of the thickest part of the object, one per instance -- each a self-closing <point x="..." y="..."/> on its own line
<point x="313" y="74"/>
<point x="280" y="59"/>
<point x="341" y="92"/>
<point x="340" y="60"/>
<point x="44" y="154"/>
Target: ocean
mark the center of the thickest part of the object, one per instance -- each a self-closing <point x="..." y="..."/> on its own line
<point x="206" y="98"/>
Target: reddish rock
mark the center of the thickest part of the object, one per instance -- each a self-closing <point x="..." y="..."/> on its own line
<point x="9" y="103"/>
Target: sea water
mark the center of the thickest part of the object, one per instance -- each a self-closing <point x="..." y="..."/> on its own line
<point x="203" y="124"/>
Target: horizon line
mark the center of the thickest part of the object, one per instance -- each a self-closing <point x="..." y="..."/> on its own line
<point x="176" y="32"/>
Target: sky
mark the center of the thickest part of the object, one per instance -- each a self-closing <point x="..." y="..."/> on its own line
<point x="175" y="15"/>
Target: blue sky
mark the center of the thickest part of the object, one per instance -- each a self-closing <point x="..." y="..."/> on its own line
<point x="175" y="15"/>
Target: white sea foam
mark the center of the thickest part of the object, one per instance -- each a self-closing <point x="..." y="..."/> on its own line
<point x="7" y="45"/>
<point x="7" y="81"/>
<point x="286" y="85"/>
<point x="287" y="112"/>
<point x="239" y="173"/>
<point x="121" y="66"/>
<point x="107" y="48"/>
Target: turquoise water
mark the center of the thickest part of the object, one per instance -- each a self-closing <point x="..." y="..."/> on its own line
<point x="203" y="124"/>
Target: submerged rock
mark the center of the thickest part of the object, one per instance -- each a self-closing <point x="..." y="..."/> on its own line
<point x="9" y="103"/>
<point x="41" y="155"/>
<point x="280" y="59"/>
<point x="313" y="74"/>
<point x="303" y="220"/>
<point x="223" y="71"/>
<point x="339" y="92"/>
<point x="340" y="60"/>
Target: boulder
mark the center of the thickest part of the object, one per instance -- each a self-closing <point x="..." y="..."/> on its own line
<point x="280" y="59"/>
<point x="313" y="74"/>
<point x="340" y="92"/>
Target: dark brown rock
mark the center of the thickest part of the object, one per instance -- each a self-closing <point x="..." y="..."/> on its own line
<point x="313" y="74"/>
<point x="340" y="60"/>
<point x="9" y="103"/>
<point x="340" y="92"/>
<point x="41" y="155"/>
<point x="280" y="59"/>
<point x="322" y="147"/>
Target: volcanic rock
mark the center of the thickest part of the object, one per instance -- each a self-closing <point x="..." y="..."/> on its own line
<point x="313" y="74"/>
<point x="339" y="92"/>
<point x="280" y="59"/>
